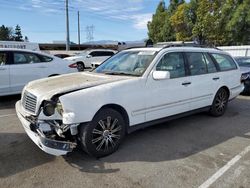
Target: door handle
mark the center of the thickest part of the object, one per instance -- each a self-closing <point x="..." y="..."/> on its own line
<point x="216" y="78"/>
<point x="186" y="83"/>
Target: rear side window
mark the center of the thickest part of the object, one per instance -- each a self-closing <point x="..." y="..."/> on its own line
<point x="174" y="63"/>
<point x="225" y="62"/>
<point x="108" y="53"/>
<point x="45" y="58"/>
<point x="25" y="58"/>
<point x="197" y="63"/>
<point x="101" y="53"/>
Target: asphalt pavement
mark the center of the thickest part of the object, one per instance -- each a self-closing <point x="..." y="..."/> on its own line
<point x="195" y="151"/>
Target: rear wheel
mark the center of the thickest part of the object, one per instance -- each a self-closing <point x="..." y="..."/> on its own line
<point x="103" y="135"/>
<point x="219" y="105"/>
<point x="80" y="66"/>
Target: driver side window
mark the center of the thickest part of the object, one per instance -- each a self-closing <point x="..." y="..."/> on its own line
<point x="174" y="63"/>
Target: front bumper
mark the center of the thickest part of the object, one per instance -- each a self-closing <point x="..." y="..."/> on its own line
<point x="49" y="146"/>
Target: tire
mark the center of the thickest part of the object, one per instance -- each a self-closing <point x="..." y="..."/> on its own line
<point x="100" y="138"/>
<point x="220" y="102"/>
<point x="80" y="66"/>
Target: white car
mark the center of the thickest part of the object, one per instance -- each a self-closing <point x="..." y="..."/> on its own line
<point x="133" y="89"/>
<point x="18" y="67"/>
<point x="88" y="58"/>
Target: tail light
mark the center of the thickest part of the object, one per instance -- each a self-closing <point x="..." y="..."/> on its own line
<point x="74" y="65"/>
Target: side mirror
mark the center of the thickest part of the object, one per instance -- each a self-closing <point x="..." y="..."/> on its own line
<point x="88" y="56"/>
<point x="161" y="75"/>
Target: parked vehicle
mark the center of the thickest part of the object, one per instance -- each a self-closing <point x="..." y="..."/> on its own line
<point x="133" y="89"/>
<point x="244" y="63"/>
<point x="18" y="67"/>
<point x="87" y="58"/>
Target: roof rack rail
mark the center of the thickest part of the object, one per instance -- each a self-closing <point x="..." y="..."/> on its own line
<point x="183" y="44"/>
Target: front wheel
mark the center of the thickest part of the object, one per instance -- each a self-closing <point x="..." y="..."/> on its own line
<point x="103" y="135"/>
<point x="219" y="105"/>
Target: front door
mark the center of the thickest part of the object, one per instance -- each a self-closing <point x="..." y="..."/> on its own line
<point x="171" y="96"/>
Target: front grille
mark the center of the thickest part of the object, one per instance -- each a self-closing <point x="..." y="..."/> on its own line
<point x="29" y="102"/>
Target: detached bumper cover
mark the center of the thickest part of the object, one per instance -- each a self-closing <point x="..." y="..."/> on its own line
<point x="49" y="146"/>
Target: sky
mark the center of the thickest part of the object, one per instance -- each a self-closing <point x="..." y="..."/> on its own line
<point x="43" y="21"/>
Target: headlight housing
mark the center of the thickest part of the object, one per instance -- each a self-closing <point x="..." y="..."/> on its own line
<point x="50" y="107"/>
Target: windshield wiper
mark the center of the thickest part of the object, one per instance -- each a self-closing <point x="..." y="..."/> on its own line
<point x="120" y="73"/>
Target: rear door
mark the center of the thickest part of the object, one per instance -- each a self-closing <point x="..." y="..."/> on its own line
<point x="4" y="73"/>
<point x="204" y="77"/>
<point x="25" y="67"/>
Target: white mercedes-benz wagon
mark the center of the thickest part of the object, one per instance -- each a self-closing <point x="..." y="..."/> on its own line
<point x="133" y="89"/>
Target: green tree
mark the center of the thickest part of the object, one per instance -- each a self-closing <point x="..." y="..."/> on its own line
<point x="173" y="4"/>
<point x="207" y="28"/>
<point x="6" y="33"/>
<point x="155" y="27"/>
<point x="180" y="22"/>
<point x="239" y="25"/>
<point x="18" y="34"/>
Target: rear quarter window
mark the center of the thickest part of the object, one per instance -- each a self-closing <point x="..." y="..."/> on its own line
<point x="225" y="62"/>
<point x="45" y="58"/>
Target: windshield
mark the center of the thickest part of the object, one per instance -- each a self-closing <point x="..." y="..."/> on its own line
<point x="132" y="63"/>
<point x="245" y="62"/>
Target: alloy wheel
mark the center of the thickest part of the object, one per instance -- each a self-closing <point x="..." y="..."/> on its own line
<point x="106" y="134"/>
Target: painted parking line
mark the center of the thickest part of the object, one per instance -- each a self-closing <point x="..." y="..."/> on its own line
<point x="7" y="115"/>
<point x="222" y="170"/>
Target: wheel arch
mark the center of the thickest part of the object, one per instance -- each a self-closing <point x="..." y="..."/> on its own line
<point x="227" y="89"/>
<point x="119" y="109"/>
<point x="78" y="62"/>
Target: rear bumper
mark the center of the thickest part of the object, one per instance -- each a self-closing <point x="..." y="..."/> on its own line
<point x="49" y="146"/>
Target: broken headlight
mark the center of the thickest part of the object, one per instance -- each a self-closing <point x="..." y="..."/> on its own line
<point x="50" y="107"/>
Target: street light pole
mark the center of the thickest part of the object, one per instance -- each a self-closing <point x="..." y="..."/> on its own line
<point x="79" y="34"/>
<point x="67" y="25"/>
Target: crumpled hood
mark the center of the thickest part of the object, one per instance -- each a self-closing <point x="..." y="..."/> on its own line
<point x="48" y="87"/>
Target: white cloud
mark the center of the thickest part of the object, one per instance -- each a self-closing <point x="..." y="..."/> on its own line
<point x="141" y="20"/>
<point x="126" y="10"/>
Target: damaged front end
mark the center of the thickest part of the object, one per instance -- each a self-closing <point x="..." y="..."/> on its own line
<point x="47" y="129"/>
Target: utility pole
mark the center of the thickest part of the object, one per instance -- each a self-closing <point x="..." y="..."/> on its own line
<point x="67" y="25"/>
<point x="79" y="34"/>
